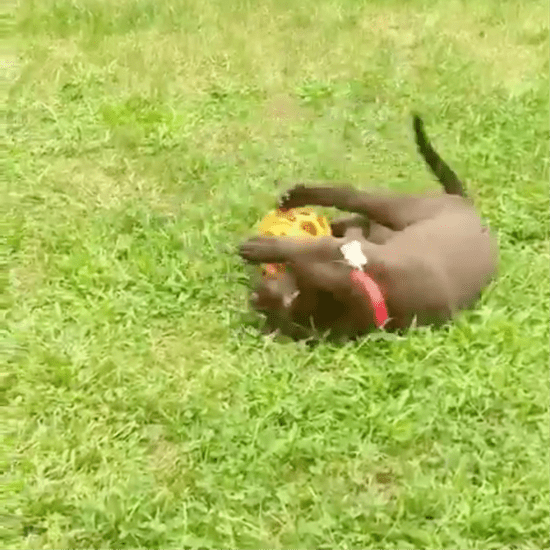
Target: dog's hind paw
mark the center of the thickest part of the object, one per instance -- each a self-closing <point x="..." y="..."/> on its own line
<point x="294" y="198"/>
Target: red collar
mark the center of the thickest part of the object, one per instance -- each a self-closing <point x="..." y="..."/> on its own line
<point x="372" y="292"/>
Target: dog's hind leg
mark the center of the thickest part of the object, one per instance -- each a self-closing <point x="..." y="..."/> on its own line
<point x="395" y="211"/>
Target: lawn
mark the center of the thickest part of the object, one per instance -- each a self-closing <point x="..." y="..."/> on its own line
<point x="141" y="406"/>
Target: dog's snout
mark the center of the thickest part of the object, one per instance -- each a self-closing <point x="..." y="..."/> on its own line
<point x="266" y="298"/>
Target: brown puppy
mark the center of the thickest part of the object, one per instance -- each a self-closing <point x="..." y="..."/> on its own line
<point x="429" y="256"/>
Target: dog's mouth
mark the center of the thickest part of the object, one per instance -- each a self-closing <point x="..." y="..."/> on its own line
<point x="265" y="299"/>
<point x="261" y="300"/>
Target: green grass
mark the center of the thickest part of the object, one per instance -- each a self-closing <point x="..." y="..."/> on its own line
<point x="140" y="405"/>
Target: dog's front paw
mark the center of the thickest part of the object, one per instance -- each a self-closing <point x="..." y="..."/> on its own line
<point x="258" y="250"/>
<point x="294" y="198"/>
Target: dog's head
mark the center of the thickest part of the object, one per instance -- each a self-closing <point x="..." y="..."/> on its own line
<point x="275" y="290"/>
<point x="286" y="307"/>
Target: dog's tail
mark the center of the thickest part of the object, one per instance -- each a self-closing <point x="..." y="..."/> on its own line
<point x="442" y="171"/>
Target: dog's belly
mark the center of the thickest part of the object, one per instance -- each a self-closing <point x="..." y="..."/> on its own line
<point x="458" y="246"/>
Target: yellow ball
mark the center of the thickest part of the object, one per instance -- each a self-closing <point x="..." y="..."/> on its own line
<point x="297" y="222"/>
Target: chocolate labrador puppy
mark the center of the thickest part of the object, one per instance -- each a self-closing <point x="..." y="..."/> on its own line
<point x="401" y="259"/>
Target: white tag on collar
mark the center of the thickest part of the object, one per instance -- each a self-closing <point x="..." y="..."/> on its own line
<point x="353" y="254"/>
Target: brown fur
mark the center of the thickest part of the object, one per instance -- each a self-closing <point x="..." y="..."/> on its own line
<point x="430" y="255"/>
